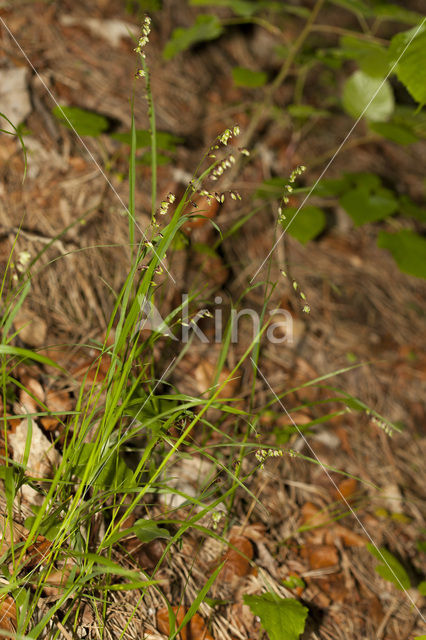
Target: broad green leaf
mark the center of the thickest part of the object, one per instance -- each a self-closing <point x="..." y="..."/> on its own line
<point x="25" y="354"/>
<point x="147" y="530"/>
<point x="247" y="78"/>
<point x="390" y="568"/>
<point x="371" y="57"/>
<point x="391" y="11"/>
<point x="152" y="410"/>
<point x="369" y="97"/>
<point x="422" y="588"/>
<point x="408" y="49"/>
<point x="306" y="225"/>
<point x="49" y="527"/>
<point x="395" y="132"/>
<point x="365" y="206"/>
<point x="206" y="27"/>
<point x="420" y="637"/>
<point x="364" y="179"/>
<point x="293" y="582"/>
<point x="408" y="250"/>
<point x="146" y="159"/>
<point x="332" y="187"/>
<point x="412" y="119"/>
<point x="85" y="123"/>
<point x="165" y="141"/>
<point x="282" y="618"/>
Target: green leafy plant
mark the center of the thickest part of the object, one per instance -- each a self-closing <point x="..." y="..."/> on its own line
<point x="83" y="122"/>
<point x="206" y="28"/>
<point x="282" y="618"/>
<point x="390" y="568"/>
<point x="367" y="94"/>
<point x="130" y="410"/>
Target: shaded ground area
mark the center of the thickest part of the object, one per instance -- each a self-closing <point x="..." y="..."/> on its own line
<point x="363" y="310"/>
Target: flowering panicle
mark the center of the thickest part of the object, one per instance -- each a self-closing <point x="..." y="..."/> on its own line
<point x="289" y="189"/>
<point x="382" y="425"/>
<point x="262" y="455"/>
<point x="143" y="41"/>
<point x="306" y="308"/>
<point x="228" y="134"/>
<point x="169" y="199"/>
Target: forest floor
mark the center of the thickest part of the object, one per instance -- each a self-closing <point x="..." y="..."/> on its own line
<point x="296" y="518"/>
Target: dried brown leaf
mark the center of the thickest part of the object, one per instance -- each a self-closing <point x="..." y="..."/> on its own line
<point x="322" y="555"/>
<point x="56" y="401"/>
<point x="206" y="207"/>
<point x="8" y="614"/>
<point x="28" y="403"/>
<point x="198" y="629"/>
<point x="237" y="559"/>
<point x="163" y="623"/>
<point x="346" y="490"/>
<point x="55" y="582"/>
<point x="37" y="552"/>
<point x="348" y="537"/>
<point x="204" y="374"/>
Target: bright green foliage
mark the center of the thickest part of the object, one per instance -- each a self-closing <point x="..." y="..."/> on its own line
<point x="365" y="204"/>
<point x="365" y="199"/>
<point x="366" y="96"/>
<point x="146" y="159"/>
<point x="372" y="58"/>
<point x="145" y="530"/>
<point x="282" y="618"/>
<point x="85" y="123"/>
<point x="166" y="141"/>
<point x="206" y="27"/>
<point x="395" y="132"/>
<point x="390" y="11"/>
<point x="411" y="119"/>
<point x="422" y="588"/>
<point x="411" y="68"/>
<point x="113" y="471"/>
<point x="49" y="527"/>
<point x="408" y="250"/>
<point x="293" y="582"/>
<point x="390" y="568"/>
<point x="306" y="225"/>
<point x="247" y="78"/>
